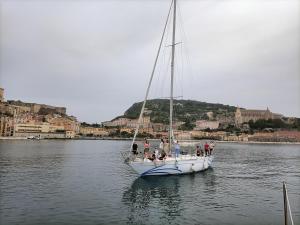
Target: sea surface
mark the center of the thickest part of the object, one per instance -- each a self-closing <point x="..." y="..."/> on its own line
<point x="86" y="182"/>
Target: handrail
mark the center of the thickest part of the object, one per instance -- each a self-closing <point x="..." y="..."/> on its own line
<point x="287" y="206"/>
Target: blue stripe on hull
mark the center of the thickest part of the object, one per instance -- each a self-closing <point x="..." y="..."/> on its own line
<point x="160" y="171"/>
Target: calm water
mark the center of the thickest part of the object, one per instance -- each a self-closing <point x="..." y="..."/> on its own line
<point x="86" y="182"/>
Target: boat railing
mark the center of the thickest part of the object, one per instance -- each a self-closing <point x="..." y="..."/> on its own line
<point x="287" y="206"/>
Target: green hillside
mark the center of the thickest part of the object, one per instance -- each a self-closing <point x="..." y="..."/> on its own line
<point x="184" y="110"/>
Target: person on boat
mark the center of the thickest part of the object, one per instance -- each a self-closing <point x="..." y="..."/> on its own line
<point x="146" y="147"/>
<point x="198" y="151"/>
<point x="211" y="147"/>
<point x="163" y="155"/>
<point x="135" y="148"/>
<point x="152" y="157"/>
<point x="156" y="152"/>
<point x="161" y="144"/>
<point x="166" y="147"/>
<point x="206" y="148"/>
<point x="177" y="149"/>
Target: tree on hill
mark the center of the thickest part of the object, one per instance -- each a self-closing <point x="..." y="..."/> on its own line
<point x="270" y="123"/>
<point x="96" y="125"/>
<point x="188" y="125"/>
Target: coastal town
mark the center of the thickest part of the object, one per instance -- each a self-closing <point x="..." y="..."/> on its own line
<point x="22" y="120"/>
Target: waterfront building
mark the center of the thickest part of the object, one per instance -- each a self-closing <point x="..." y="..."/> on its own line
<point x="120" y="122"/>
<point x="27" y="118"/>
<point x="38" y="108"/>
<point x="183" y="135"/>
<point x="69" y="123"/>
<point x="205" y="124"/>
<point x="198" y="134"/>
<point x="158" y="127"/>
<point x="93" y="131"/>
<point x="8" y="109"/>
<point x="54" y="128"/>
<point x="42" y="130"/>
<point x="132" y="123"/>
<point x="277" y="136"/>
<point x="7" y="117"/>
<point x="69" y="134"/>
<point x="148" y="130"/>
<point x="31" y="128"/>
<point x="107" y="124"/>
<point x="6" y="126"/>
<point x="126" y="129"/>
<point x="1" y="95"/>
<point x="218" y="135"/>
<point x="245" y="115"/>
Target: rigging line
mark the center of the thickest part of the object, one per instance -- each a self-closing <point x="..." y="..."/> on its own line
<point x="160" y="87"/>
<point x="185" y="47"/>
<point x="151" y="77"/>
<point x="167" y="59"/>
<point x="166" y="74"/>
<point x="162" y="71"/>
<point x="181" y="72"/>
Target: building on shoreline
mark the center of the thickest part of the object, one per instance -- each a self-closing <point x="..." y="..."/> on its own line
<point x="38" y="108"/>
<point x="1" y="95"/>
<point x="245" y="115"/>
<point x="93" y="131"/>
<point x="206" y="124"/>
<point x="6" y="126"/>
<point x="23" y="119"/>
<point x="129" y="123"/>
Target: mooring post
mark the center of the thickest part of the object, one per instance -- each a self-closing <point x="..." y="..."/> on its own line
<point x="285" y="204"/>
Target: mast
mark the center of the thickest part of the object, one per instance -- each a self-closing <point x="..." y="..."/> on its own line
<point x="172" y="78"/>
<point x="151" y="78"/>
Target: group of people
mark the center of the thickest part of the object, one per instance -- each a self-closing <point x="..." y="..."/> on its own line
<point x="164" y="150"/>
<point x="208" y="148"/>
<point x="159" y="153"/>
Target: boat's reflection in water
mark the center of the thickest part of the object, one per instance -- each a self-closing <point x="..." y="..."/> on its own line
<point x="161" y="199"/>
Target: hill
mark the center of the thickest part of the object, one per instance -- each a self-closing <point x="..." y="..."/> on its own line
<point x="184" y="110"/>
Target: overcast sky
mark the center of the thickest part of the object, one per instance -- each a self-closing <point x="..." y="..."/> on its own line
<point x="95" y="57"/>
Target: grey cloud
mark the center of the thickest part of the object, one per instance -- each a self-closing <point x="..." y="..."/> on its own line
<point x="95" y="56"/>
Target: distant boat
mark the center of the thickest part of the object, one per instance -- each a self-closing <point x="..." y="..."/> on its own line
<point x="172" y="165"/>
<point x="34" y="137"/>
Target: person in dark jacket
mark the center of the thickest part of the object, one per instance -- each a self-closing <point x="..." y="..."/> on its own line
<point x="135" y="148"/>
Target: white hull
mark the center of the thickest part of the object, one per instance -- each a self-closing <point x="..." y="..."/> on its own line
<point x="171" y="166"/>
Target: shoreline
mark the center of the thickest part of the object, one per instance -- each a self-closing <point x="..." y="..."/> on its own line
<point x="129" y="139"/>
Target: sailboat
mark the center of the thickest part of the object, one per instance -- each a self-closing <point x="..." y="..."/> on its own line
<point x="176" y="164"/>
